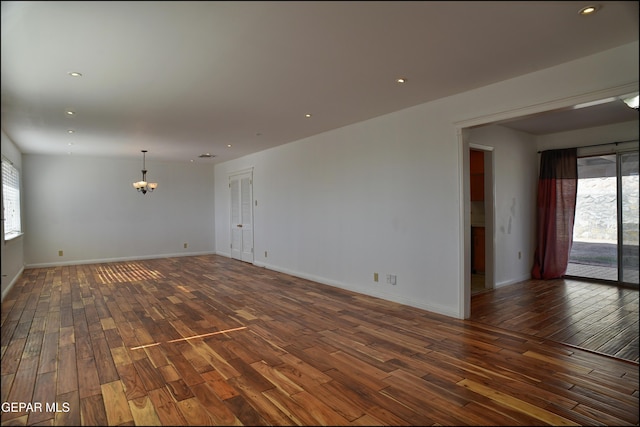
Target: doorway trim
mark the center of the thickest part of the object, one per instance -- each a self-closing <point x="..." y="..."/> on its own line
<point x="489" y="221"/>
<point x="461" y="127"/>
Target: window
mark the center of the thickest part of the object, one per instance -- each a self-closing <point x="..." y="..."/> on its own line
<point x="11" y="200"/>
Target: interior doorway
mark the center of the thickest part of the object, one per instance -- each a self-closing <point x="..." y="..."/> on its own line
<point x="481" y="218"/>
<point x="540" y="119"/>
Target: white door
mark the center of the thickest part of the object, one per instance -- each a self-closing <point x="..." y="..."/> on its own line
<point x="241" y="187"/>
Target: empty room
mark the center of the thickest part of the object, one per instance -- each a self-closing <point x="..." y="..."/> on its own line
<point x="320" y="213"/>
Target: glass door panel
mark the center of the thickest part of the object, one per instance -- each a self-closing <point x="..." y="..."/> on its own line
<point x="606" y="231"/>
<point x="629" y="214"/>
<point x="594" y="252"/>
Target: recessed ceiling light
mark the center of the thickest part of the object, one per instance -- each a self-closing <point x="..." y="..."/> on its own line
<point x="401" y="80"/>
<point x="70" y="144"/>
<point x="307" y="115"/>
<point x="75" y="74"/>
<point x="70" y="112"/>
<point x="588" y="10"/>
<point x="70" y="131"/>
<point x="229" y="145"/>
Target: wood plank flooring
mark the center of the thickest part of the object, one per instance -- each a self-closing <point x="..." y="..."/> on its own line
<point x="211" y="341"/>
<point x="599" y="317"/>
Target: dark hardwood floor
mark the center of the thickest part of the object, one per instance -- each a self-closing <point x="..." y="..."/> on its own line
<point x="211" y="341"/>
<point x="598" y="317"/>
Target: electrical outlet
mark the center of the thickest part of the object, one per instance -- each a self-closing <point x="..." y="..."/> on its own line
<point x="375" y="277"/>
<point x="60" y="253"/>
<point x="185" y="245"/>
<point x="519" y="255"/>
<point x="391" y="279"/>
<point x="265" y="254"/>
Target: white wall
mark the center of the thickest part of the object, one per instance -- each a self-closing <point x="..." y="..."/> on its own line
<point x="515" y="183"/>
<point x="87" y="207"/>
<point x="595" y="135"/>
<point x="385" y="195"/>
<point x="12" y="250"/>
<point x="335" y="207"/>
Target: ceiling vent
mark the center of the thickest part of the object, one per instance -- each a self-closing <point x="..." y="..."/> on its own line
<point x="206" y="156"/>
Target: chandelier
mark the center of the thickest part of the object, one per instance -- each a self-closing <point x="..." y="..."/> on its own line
<point x="144" y="186"/>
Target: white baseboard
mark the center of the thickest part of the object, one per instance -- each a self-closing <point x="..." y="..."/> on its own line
<point x="118" y="259"/>
<point x="13" y="282"/>
<point x="322" y="280"/>
<point x="513" y="281"/>
<point x="361" y="290"/>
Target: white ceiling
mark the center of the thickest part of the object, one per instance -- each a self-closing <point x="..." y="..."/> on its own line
<point x="185" y="78"/>
<point x="614" y="110"/>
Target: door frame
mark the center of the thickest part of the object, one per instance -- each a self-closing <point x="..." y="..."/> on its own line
<point x="462" y="126"/>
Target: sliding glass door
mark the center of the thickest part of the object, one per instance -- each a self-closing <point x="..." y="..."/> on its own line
<point x="629" y="214"/>
<point x="605" y="233"/>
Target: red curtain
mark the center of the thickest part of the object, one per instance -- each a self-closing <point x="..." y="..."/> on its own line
<point x="556" y="208"/>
